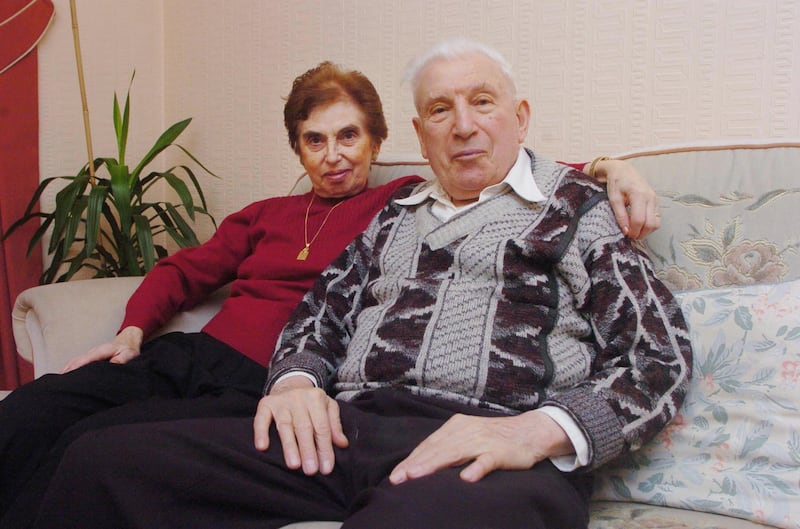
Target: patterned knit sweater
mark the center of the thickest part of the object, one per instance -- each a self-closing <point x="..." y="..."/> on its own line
<point x="510" y="305"/>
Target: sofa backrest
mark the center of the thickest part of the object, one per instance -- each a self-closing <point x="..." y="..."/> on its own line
<point x="730" y="212"/>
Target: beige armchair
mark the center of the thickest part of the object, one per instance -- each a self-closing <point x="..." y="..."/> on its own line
<point x="54" y="323"/>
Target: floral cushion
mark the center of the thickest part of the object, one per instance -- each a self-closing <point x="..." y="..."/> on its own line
<point x="629" y="515"/>
<point x="726" y="240"/>
<point x="734" y="447"/>
<point x="726" y="213"/>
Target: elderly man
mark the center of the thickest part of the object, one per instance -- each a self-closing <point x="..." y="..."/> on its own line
<point x="490" y="338"/>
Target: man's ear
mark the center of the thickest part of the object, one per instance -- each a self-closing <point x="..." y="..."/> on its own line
<point x="523" y="119"/>
<point x="418" y="129"/>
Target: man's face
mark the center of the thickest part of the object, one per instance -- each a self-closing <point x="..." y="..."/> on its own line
<point x="468" y="123"/>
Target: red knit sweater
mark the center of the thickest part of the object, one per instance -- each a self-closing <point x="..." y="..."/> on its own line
<point x="256" y="249"/>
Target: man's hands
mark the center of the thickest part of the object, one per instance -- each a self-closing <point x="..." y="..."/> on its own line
<point x="308" y="424"/>
<point x="307" y="421"/>
<point x="125" y="346"/>
<point x="634" y="202"/>
<point x="487" y="444"/>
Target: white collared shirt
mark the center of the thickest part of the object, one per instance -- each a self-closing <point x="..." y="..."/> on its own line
<point x="519" y="178"/>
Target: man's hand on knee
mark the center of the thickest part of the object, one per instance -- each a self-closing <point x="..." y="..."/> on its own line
<point x="485" y="444"/>
<point x="308" y="424"/>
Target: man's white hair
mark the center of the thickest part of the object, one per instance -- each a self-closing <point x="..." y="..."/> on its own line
<point x="452" y="49"/>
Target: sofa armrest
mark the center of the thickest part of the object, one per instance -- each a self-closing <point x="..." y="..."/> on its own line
<point x="53" y="323"/>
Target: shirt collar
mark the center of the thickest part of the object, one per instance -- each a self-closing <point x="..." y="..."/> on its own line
<point x="519" y="178"/>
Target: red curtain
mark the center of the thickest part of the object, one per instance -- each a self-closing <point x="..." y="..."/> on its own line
<point x="22" y="24"/>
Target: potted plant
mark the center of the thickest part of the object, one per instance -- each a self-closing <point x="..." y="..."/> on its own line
<point x="105" y="223"/>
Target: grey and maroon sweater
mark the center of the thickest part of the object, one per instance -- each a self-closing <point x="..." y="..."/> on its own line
<point x="509" y="305"/>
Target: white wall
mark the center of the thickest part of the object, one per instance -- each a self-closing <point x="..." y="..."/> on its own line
<point x="603" y="76"/>
<point x="116" y="38"/>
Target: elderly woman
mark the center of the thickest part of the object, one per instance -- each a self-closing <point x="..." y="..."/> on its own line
<point x="271" y="252"/>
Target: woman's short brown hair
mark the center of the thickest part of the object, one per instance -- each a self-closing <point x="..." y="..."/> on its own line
<point x="325" y="84"/>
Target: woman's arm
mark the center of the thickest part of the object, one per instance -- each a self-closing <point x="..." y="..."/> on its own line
<point x="634" y="202"/>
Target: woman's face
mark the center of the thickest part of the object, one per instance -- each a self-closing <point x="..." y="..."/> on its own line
<point x="336" y="149"/>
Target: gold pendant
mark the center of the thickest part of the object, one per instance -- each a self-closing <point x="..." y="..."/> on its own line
<point x="303" y="255"/>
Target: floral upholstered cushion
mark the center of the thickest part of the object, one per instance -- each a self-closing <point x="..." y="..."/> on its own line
<point x="726" y="213"/>
<point x="725" y="241"/>
<point x="629" y="515"/>
<point x="734" y="447"/>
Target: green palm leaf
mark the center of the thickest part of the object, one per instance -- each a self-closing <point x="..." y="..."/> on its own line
<point x="183" y="192"/>
<point x="94" y="210"/>
<point x="164" y="141"/>
<point x="144" y="235"/>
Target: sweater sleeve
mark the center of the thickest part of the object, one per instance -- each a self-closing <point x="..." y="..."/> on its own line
<point x="315" y="338"/>
<point x="186" y="278"/>
<point x="642" y="353"/>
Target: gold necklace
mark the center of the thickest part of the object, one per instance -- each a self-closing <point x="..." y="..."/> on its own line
<point x="303" y="255"/>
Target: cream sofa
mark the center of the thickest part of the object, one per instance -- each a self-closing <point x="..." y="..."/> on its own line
<point x="729" y="249"/>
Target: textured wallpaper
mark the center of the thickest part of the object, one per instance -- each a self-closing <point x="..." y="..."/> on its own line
<point x="603" y="76"/>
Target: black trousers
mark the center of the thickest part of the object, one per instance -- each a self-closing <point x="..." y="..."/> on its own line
<point x="204" y="474"/>
<point x="177" y="376"/>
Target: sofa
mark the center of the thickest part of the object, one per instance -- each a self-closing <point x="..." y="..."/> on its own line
<point x="728" y="248"/>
